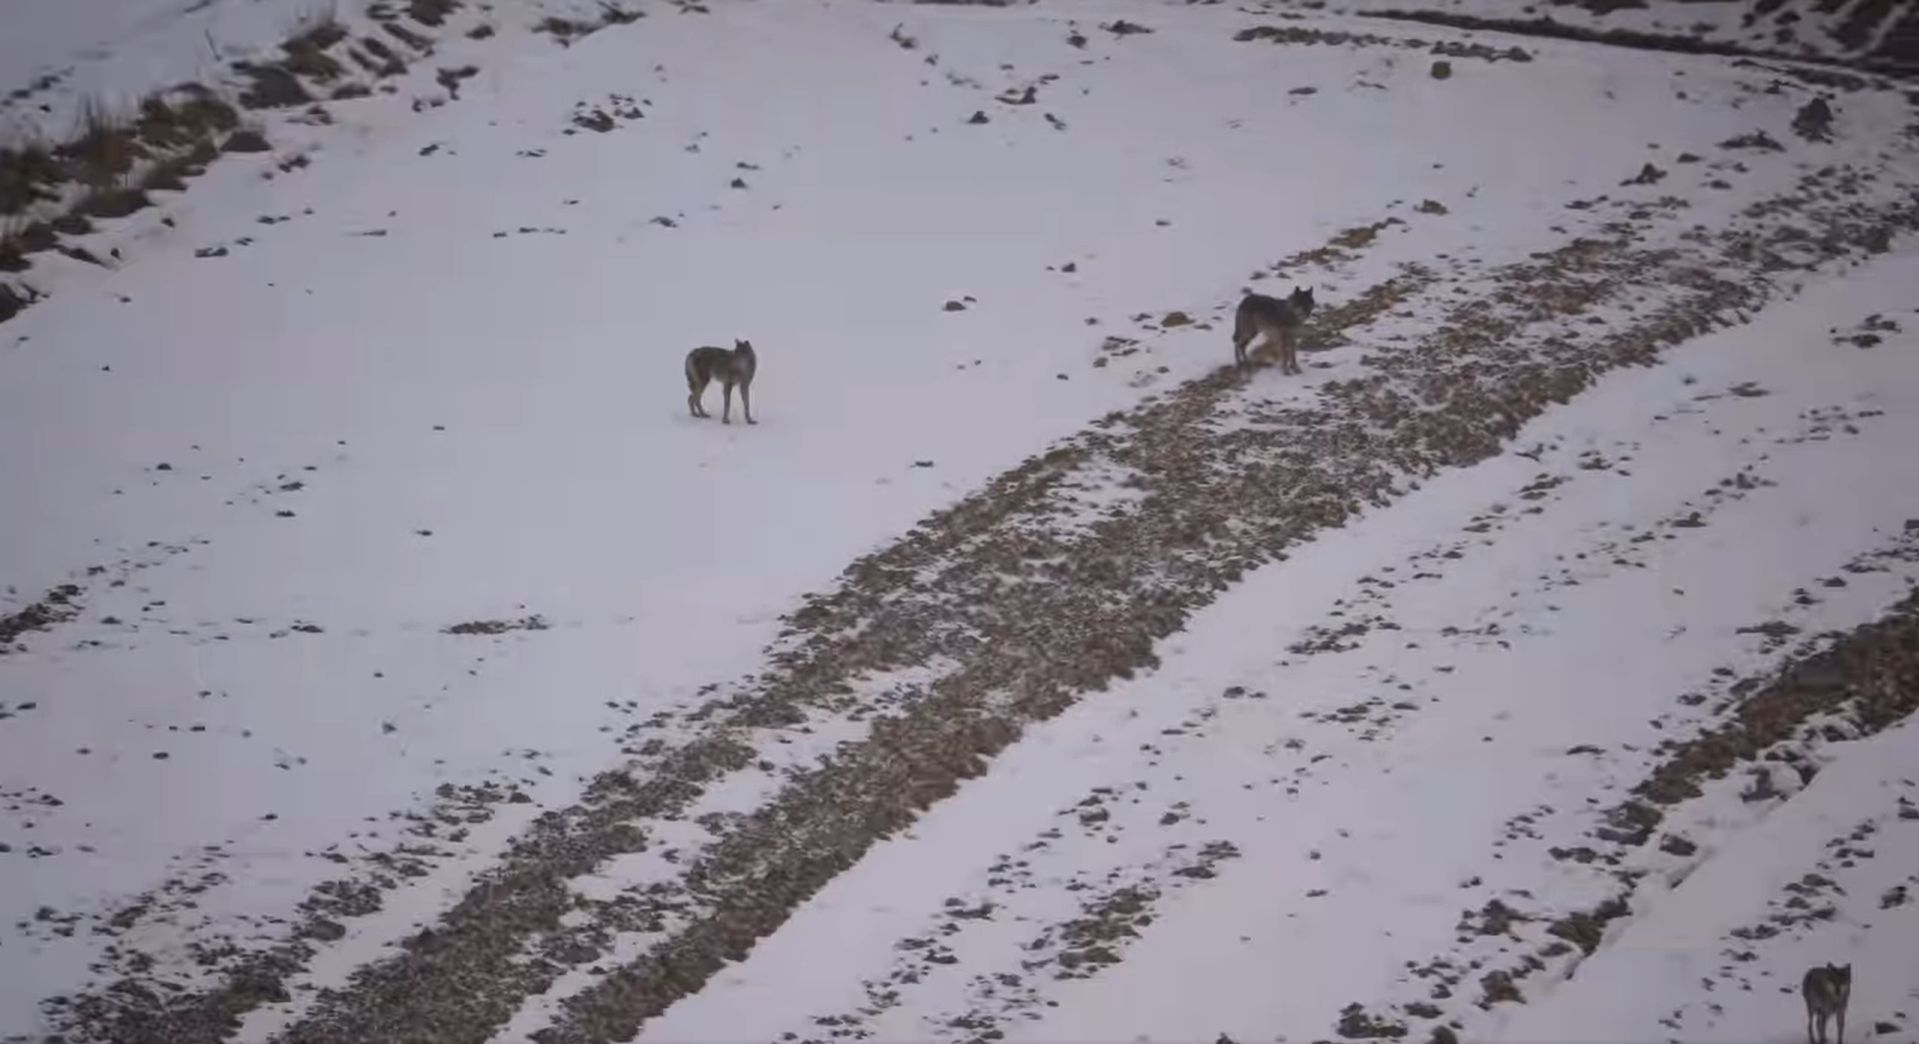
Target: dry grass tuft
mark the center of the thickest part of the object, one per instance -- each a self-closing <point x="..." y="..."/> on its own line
<point x="102" y="149"/>
<point x="28" y="172"/>
<point x="111" y="201"/>
<point x="171" y="173"/>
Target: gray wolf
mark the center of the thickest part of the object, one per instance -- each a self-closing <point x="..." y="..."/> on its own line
<point x="732" y="369"/>
<point x="1277" y="321"/>
<point x="1826" y="989"/>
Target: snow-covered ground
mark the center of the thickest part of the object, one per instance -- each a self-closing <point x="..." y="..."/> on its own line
<point x="1371" y="793"/>
<point x="370" y="528"/>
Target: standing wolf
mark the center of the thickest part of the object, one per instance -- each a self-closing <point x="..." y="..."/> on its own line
<point x="730" y="369"/>
<point x="1826" y="989"/>
<point x="1277" y="321"/>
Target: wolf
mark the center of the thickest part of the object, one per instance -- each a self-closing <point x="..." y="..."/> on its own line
<point x="732" y="369"/>
<point x="1826" y="989"/>
<point x="1278" y="321"/>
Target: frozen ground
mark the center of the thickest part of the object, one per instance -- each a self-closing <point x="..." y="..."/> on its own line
<point x="388" y="655"/>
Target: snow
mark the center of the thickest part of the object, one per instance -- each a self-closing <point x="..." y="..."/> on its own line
<point x="1391" y="827"/>
<point x="1684" y="936"/>
<point x="443" y="386"/>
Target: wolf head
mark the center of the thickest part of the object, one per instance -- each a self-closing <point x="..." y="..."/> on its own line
<point x="1301" y="300"/>
<point x="1842" y="974"/>
<point x="742" y="347"/>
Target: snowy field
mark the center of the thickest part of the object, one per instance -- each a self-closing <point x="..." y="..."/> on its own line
<point x="387" y="654"/>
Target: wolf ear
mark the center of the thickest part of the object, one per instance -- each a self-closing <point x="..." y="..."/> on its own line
<point x="738" y="344"/>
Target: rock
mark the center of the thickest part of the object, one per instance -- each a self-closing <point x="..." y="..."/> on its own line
<point x="245" y="140"/>
<point x="1442" y="70"/>
<point x="1814" y="121"/>
<point x="596" y="120"/>
<point x="1758" y="141"/>
<point x="1648" y="175"/>
<point x="1355" y="1024"/>
<point x="1431" y="206"/>
<point x="324" y="930"/>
